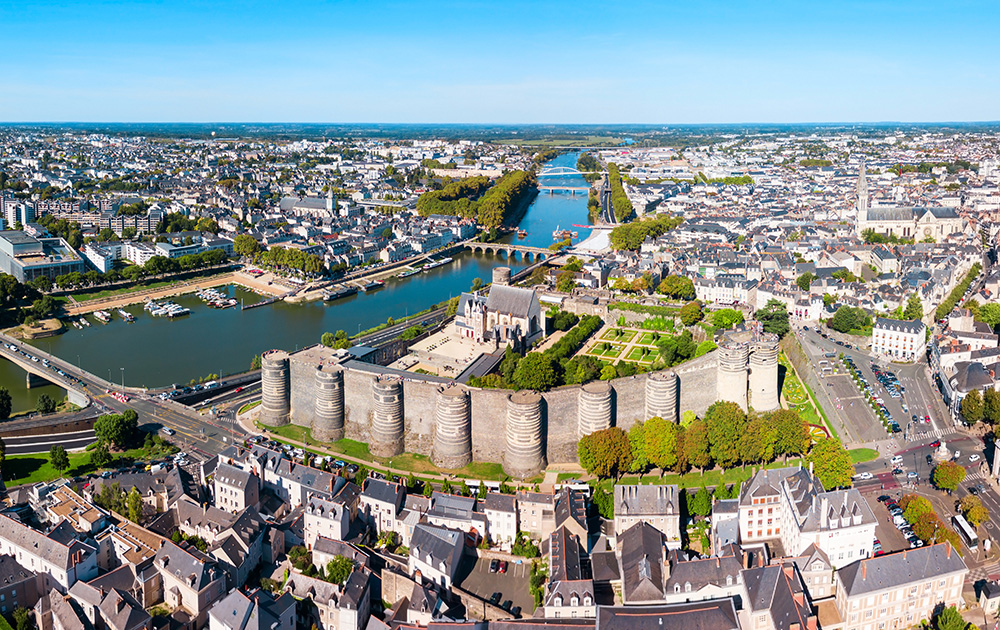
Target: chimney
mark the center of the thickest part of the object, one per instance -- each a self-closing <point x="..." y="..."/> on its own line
<point x="823" y="512"/>
<point x="810" y="468"/>
<point x="800" y="599"/>
<point x="789" y="573"/>
<point x="864" y="568"/>
<point x="947" y="549"/>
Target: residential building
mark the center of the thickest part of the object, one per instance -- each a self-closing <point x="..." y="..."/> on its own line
<point x="657" y="505"/>
<point x="899" y="340"/>
<point x="435" y="553"/>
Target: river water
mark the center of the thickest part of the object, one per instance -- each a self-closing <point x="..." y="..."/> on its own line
<point x="156" y="351"/>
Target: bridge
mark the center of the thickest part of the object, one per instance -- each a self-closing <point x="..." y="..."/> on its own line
<point x="558" y="171"/>
<point x="194" y="432"/>
<point x="554" y="187"/>
<point x="511" y="250"/>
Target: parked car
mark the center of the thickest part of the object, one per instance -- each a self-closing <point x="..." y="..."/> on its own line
<point x="494" y="565"/>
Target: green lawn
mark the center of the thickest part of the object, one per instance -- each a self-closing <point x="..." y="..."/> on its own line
<point x="28" y="469"/>
<point x="862" y="455"/>
<point x="248" y="406"/>
<point x="635" y="354"/>
<point x="625" y="336"/>
<point x="696" y="479"/>
<point x="647" y="338"/>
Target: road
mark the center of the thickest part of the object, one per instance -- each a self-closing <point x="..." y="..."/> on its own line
<point x="32" y="444"/>
<point x="200" y="434"/>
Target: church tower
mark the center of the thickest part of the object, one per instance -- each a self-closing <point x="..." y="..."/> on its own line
<point x="861" y="203"/>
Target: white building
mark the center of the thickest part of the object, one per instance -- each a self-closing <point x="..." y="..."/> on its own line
<point x="899" y="340"/>
<point x="790" y="504"/>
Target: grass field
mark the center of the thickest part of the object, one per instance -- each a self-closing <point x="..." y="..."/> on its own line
<point x="862" y="455"/>
<point x="618" y="335"/>
<point x="28" y="469"/>
<point x="647" y="338"/>
<point x="96" y="294"/>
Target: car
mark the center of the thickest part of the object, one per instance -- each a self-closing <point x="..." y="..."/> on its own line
<point x="885" y="498"/>
<point x="494" y="565"/>
<point x="897" y="459"/>
<point x="958" y="454"/>
<point x="973" y="490"/>
<point x="168" y="431"/>
<point x="503" y="567"/>
<point x="930" y="460"/>
<point x="353" y="468"/>
<point x="897" y="471"/>
<point x="973" y="458"/>
<point x="865" y="476"/>
<point x="495" y="598"/>
<point x="935" y="444"/>
<point x="911" y="475"/>
<point x="927" y="419"/>
<point x="239" y="389"/>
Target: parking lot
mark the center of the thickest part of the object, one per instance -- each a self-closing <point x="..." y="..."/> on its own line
<point x="474" y="576"/>
<point x="890" y="537"/>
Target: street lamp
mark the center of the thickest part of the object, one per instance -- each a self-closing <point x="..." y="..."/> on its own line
<point x="123" y="379"/>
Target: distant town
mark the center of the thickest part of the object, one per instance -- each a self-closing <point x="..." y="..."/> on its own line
<point x="717" y="378"/>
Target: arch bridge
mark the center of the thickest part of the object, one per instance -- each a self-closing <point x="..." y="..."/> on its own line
<point x="511" y="251"/>
<point x="557" y="171"/>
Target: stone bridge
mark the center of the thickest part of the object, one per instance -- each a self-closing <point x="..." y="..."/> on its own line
<point x="511" y="251"/>
<point x="39" y="374"/>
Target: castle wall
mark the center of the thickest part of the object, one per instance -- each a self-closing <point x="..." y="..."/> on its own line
<point x="488" y="408"/>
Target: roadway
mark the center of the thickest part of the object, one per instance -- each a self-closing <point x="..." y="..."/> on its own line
<point x="32" y="444"/>
<point x="200" y="434"/>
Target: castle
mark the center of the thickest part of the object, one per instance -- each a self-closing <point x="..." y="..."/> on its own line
<point x="393" y="411"/>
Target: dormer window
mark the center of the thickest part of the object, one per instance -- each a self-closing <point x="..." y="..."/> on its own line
<point x="677" y="588"/>
<point x="557" y="601"/>
<point x="587" y="601"/>
<point x="729" y="580"/>
<point x="574" y="601"/>
<point x="687" y="587"/>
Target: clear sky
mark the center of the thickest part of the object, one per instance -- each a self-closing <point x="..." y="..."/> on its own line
<point x="499" y="62"/>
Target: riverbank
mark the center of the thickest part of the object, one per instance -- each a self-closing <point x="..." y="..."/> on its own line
<point x="257" y="285"/>
<point x="38" y="330"/>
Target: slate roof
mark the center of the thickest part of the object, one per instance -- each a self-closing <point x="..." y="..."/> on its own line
<point x="642" y="562"/>
<point x="564" y="554"/>
<point x="121" y="611"/>
<point x="717" y="614"/>
<point x="433" y="545"/>
<point x="898" y="569"/>
<point x="510" y="300"/>
<point x="646" y="500"/>
<point x="779" y="590"/>
<point x="260" y="611"/>
<point x="913" y="327"/>
<point x="232" y="476"/>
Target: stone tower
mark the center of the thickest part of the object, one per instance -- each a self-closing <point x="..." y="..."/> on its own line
<point x="861" y="202"/>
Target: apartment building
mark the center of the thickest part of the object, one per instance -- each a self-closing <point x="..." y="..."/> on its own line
<point x="899" y="340"/>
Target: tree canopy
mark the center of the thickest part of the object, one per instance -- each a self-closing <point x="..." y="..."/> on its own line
<point x="605" y="453"/>
<point x="117" y="429"/>
<point x="831" y="463"/>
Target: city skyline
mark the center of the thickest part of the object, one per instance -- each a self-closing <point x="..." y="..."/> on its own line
<point x="516" y="63"/>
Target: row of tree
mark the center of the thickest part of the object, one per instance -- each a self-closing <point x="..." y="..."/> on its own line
<point x="504" y="197"/>
<point x="157" y="265"/>
<point x="944" y="309"/>
<point x="282" y="258"/>
<point x="619" y="200"/>
<point x="726" y="437"/>
<point x="631" y="235"/>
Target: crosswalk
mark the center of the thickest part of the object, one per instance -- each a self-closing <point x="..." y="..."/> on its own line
<point x="984" y="572"/>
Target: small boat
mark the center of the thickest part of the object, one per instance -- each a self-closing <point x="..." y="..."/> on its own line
<point x="411" y="272"/>
<point x="102" y="316"/>
<point x="77" y="325"/>
<point x="522" y="233"/>
<point x="438" y="263"/>
<point x="128" y="317"/>
<point x="84" y="323"/>
<point x="372" y="286"/>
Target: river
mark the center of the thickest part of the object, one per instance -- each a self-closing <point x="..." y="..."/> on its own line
<point x="156" y="351"/>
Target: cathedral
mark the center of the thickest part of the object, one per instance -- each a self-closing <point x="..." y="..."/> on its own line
<point x="911" y="222"/>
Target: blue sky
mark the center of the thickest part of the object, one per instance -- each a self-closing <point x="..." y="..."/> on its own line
<point x="499" y="62"/>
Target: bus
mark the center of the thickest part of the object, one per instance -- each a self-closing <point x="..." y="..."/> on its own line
<point x="965" y="532"/>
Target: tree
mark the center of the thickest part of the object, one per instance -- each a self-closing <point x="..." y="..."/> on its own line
<point x="831" y="463"/>
<point x="59" y="458"/>
<point x="608" y="372"/>
<point x="849" y="318"/>
<point x="951" y="619"/>
<point x="339" y="569"/>
<point x="774" y="318"/>
<point x="726" y="318"/>
<point x="661" y="443"/>
<point x="134" y="505"/>
<point x="701" y="503"/>
<point x="914" y="506"/>
<point x="691" y="313"/>
<point x="637" y="443"/>
<point x="805" y="280"/>
<point x="947" y="475"/>
<point x="3" y="452"/>
<point x="696" y="445"/>
<point x="45" y="404"/>
<point x="915" y="309"/>
<point x="791" y="432"/>
<point x="972" y="407"/>
<point x="677" y="287"/>
<point x="991" y="406"/>
<point x="605" y="453"/>
<point x="24" y="619"/>
<point x="327" y="339"/>
<point x="757" y="444"/>
<point x="117" y="429"/>
<point x="5" y="403"/>
<point x="726" y="425"/>
<point x="990" y="313"/>
<point x="100" y="457"/>
<point x="973" y="510"/>
<point x="536" y="371"/>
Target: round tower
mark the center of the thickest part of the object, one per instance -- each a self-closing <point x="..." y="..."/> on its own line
<point x="328" y="425"/>
<point x="387" y="417"/>
<point x="764" y="373"/>
<point x="661" y="395"/>
<point x="732" y="371"/>
<point x="593" y="408"/>
<point x="274" y="387"/>
<point x="453" y="428"/>
<point x="501" y="276"/>
<point x="524" y="456"/>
